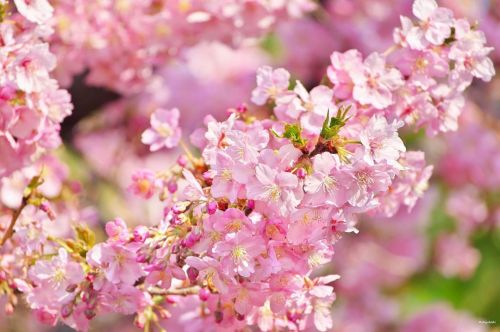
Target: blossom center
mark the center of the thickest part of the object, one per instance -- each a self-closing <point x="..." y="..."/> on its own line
<point x="239" y="253"/>
<point x="273" y="192"/>
<point x="164" y="130"/>
<point x="227" y="174"/>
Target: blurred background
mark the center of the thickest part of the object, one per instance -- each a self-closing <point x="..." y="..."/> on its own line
<point x="435" y="268"/>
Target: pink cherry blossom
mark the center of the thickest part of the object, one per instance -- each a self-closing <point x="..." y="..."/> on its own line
<point x="436" y="22"/>
<point x="274" y="188"/>
<point x="164" y="131"/>
<point x="270" y="84"/>
<point x="330" y="183"/>
<point x="117" y="262"/>
<point x="144" y="184"/>
<point x="375" y="83"/>
<point x="37" y="11"/>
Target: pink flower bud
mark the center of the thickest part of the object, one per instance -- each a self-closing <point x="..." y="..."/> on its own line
<point x="67" y="310"/>
<point x="141" y="233"/>
<point x="89" y="313"/>
<point x="192" y="274"/>
<point x="219" y="316"/>
<point x="301" y="173"/>
<point x="182" y="161"/>
<point x="204" y="294"/>
<point x="172" y="186"/>
<point x="211" y="207"/>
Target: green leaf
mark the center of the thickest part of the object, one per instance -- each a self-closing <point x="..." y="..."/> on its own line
<point x="85" y="235"/>
<point x="294" y="133"/>
<point x="332" y="126"/>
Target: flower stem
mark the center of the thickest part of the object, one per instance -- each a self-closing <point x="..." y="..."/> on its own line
<point x="10" y="230"/>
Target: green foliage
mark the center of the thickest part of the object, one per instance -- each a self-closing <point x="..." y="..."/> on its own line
<point x="332" y="126"/>
<point x="293" y="132"/>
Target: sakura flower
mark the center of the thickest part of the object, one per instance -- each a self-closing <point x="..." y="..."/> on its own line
<point x="210" y="270"/>
<point x="381" y="140"/>
<point x="124" y="299"/>
<point x="229" y="177"/>
<point x="238" y="251"/>
<point x="317" y="104"/>
<point x="37" y="11"/>
<point x="118" y="262"/>
<point x="276" y="189"/>
<point x="307" y="225"/>
<point x="231" y="221"/>
<point x="341" y="71"/>
<point x="164" y="131"/>
<point x="51" y="279"/>
<point x="369" y="180"/>
<point x="435" y="22"/>
<point x="470" y="55"/>
<point x="270" y="84"/>
<point x="374" y="85"/>
<point x="144" y="183"/>
<point x="329" y="183"/>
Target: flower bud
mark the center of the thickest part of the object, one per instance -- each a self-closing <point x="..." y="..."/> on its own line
<point x="204" y="294"/>
<point x="211" y="207"/>
<point x="301" y="173"/>
<point x="141" y="233"/>
<point x="71" y="288"/>
<point x="9" y="309"/>
<point x="219" y="316"/>
<point x="172" y="186"/>
<point x="67" y="310"/>
<point x="89" y="313"/>
<point x="251" y="204"/>
<point x="182" y="161"/>
<point x="192" y="274"/>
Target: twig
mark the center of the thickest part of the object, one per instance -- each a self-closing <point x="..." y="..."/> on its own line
<point x="193" y="290"/>
<point x="10" y="230"/>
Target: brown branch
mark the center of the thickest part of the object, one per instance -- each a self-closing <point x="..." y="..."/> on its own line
<point x="10" y="230"/>
<point x="193" y="290"/>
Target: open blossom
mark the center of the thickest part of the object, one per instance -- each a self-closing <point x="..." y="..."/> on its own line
<point x="381" y="140"/>
<point x="330" y="183"/>
<point x="274" y="188"/>
<point x="470" y="55"/>
<point x="164" y="131"/>
<point x="117" y="261"/>
<point x="373" y="85"/>
<point x="37" y="11"/>
<point x="341" y="69"/>
<point x="144" y="183"/>
<point x="52" y="278"/>
<point x="435" y="22"/>
<point x="270" y="84"/>
<point x="238" y="252"/>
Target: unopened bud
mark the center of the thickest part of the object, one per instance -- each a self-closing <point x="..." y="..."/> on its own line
<point x="219" y="316"/>
<point x="172" y="186"/>
<point x="182" y="161"/>
<point x="67" y="310"/>
<point x="89" y="313"/>
<point x="192" y="274"/>
<point x="211" y="207"/>
<point x="204" y="294"/>
<point x="71" y="288"/>
<point x="301" y="173"/>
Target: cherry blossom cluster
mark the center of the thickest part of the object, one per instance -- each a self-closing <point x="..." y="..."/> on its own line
<point x="421" y="78"/>
<point x="32" y="105"/>
<point x="244" y="225"/>
<point x="121" y="42"/>
<point x="251" y="217"/>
